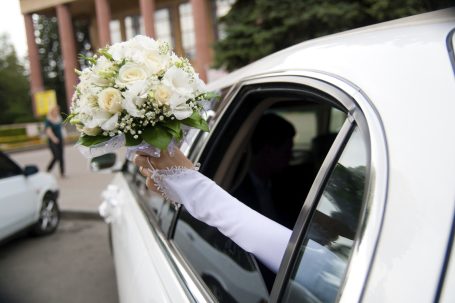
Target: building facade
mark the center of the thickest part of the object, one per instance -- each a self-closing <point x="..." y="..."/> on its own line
<point x="189" y="26"/>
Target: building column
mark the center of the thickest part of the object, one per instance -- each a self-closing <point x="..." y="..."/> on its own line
<point x="103" y="18"/>
<point x="201" y="29"/>
<point x="176" y="29"/>
<point x="68" y="48"/>
<point x="122" y="28"/>
<point x="94" y="34"/>
<point x="148" y="16"/>
<point x="36" y="78"/>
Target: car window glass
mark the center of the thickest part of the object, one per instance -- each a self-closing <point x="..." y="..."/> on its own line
<point x="319" y="270"/>
<point x="228" y="271"/>
<point x="294" y="141"/>
<point x="166" y="215"/>
<point x="153" y="204"/>
<point x="8" y="168"/>
<point x="337" y="119"/>
<point x="305" y="124"/>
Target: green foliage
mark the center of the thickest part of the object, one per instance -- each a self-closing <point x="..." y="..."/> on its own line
<point x="196" y="121"/>
<point x="256" y="28"/>
<point x="14" y="87"/>
<point x="157" y="136"/>
<point x="92" y="140"/>
<point x="131" y="141"/>
<point x="173" y="127"/>
<point x="11" y="132"/>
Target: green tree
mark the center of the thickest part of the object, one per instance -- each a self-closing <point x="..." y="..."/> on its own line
<point x="14" y="86"/>
<point x="256" y="28"/>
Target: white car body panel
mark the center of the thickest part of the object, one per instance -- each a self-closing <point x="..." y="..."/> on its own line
<point x="17" y="204"/>
<point x="423" y="232"/>
<point x="403" y="67"/>
<point x="20" y="200"/>
<point x="152" y="279"/>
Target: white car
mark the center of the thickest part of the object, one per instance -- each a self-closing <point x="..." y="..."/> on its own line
<point x="28" y="199"/>
<point x="369" y="192"/>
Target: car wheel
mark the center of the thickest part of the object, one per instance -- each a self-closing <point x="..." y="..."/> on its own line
<point x="49" y="216"/>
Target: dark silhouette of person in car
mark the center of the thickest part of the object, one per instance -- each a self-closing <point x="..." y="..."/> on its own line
<point x="271" y="146"/>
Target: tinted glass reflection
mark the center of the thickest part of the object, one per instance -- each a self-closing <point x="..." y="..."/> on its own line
<point x="8" y="168"/>
<point x="228" y="271"/>
<point x="327" y="246"/>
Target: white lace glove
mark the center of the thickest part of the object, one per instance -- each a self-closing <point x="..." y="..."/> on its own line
<point x="209" y="203"/>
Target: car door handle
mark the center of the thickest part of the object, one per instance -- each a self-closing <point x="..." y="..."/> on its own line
<point x="109" y="209"/>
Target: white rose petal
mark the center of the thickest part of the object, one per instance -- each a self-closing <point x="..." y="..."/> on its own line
<point x="130" y="73"/>
<point x="110" y="100"/>
<point x="139" y="88"/>
<point x="179" y="108"/>
<point x="110" y="123"/>
<point x="199" y="85"/>
<point x="162" y="95"/>
<point x="178" y="81"/>
<point x="91" y="131"/>
<point x="117" y="51"/>
<point x="98" y="118"/>
<point x="129" y="104"/>
<point x="145" y="42"/>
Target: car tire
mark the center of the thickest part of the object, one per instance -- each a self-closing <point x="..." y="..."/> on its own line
<point x="49" y="216"/>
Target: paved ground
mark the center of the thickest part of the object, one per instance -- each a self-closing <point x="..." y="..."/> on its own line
<point x="81" y="189"/>
<point x="72" y="265"/>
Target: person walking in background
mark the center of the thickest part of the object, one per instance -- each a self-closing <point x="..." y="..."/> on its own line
<point x="53" y="129"/>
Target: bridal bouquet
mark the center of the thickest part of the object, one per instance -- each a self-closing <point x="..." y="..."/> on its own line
<point x="137" y="93"/>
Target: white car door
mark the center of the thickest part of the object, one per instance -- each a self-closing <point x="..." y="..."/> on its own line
<point x="17" y="198"/>
<point x="142" y="269"/>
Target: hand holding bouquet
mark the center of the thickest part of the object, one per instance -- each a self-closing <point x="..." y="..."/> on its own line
<point x="137" y="92"/>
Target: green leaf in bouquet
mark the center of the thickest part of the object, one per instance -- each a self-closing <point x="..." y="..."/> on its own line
<point x="104" y="52"/>
<point x="69" y="118"/>
<point x="196" y="121"/>
<point x="92" y="140"/>
<point x="157" y="136"/>
<point x="174" y="128"/>
<point x="89" y="59"/>
<point x="131" y="141"/>
<point x="209" y="96"/>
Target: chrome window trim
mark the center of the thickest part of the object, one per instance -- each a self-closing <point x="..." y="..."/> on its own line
<point x="450" y="42"/>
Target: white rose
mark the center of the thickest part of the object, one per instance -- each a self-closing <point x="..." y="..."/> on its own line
<point x="110" y="100"/>
<point x="130" y="73"/>
<point x="87" y="102"/>
<point x="145" y="42"/>
<point x="178" y="81"/>
<point x="117" y="51"/>
<point x="162" y="95"/>
<point x="96" y="119"/>
<point x="179" y="108"/>
<point x="130" y="103"/>
<point x="154" y="61"/>
<point x="91" y="131"/>
<point x="199" y="85"/>
<point x="110" y="124"/>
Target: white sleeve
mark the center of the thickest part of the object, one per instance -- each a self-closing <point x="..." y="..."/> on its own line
<point x="209" y="203"/>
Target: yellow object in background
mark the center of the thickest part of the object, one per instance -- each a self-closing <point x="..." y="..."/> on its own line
<point x="44" y="101"/>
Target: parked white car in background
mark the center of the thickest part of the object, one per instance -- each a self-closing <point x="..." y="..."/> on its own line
<point x="370" y="189"/>
<point x="28" y="198"/>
